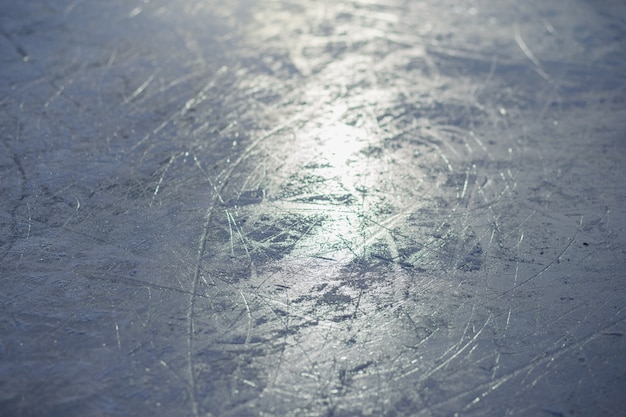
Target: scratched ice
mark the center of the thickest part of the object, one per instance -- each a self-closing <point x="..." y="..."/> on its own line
<point x="314" y="208"/>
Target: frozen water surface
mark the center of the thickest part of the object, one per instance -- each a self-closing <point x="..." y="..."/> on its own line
<point x="312" y="208"/>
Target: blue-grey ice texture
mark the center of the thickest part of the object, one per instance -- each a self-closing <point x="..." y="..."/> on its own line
<point x="312" y="208"/>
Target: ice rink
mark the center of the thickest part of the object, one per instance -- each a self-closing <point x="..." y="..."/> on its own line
<point x="312" y="208"/>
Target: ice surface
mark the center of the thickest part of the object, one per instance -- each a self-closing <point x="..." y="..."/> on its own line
<point x="313" y="208"/>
